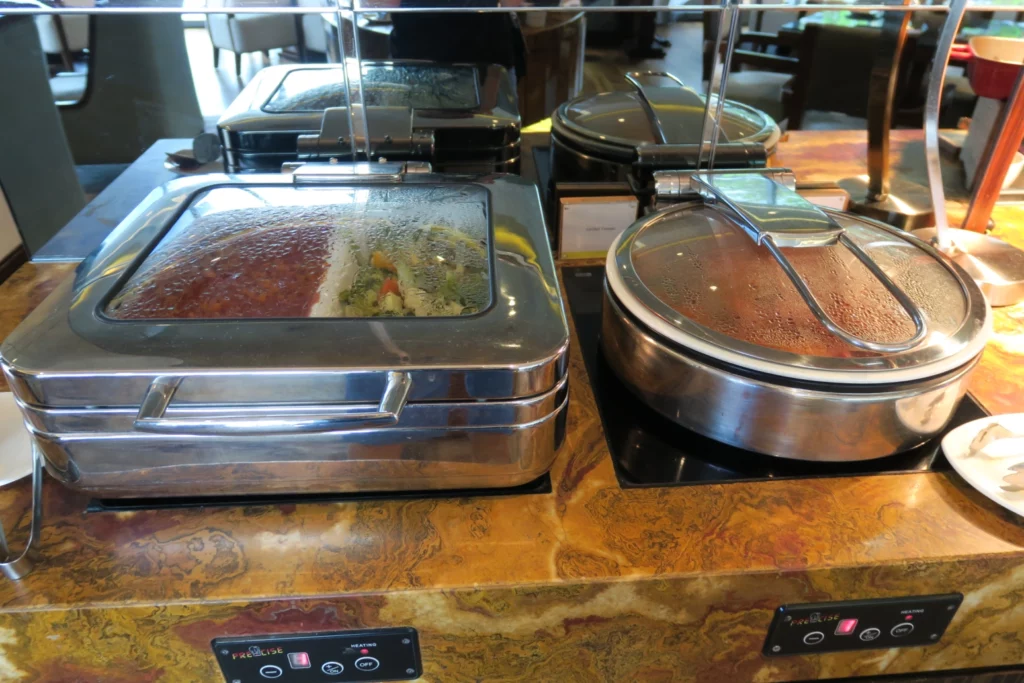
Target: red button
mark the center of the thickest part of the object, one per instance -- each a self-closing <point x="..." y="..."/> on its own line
<point x="298" y="660"/>
<point x="846" y="627"/>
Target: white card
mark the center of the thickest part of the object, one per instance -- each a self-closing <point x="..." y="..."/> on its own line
<point x="589" y="225"/>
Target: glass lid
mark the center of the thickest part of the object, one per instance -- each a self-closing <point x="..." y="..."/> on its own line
<point x="632" y="118"/>
<point x="416" y="86"/>
<point x="287" y="252"/>
<point x="698" y="276"/>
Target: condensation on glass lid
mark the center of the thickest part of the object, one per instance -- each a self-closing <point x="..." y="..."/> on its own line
<point x="327" y="253"/>
<point x="415" y="86"/>
<point x="710" y="271"/>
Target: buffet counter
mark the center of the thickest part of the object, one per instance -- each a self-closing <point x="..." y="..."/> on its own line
<point x="587" y="582"/>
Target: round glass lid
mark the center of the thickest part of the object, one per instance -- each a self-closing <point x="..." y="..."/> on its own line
<point x="624" y="118"/>
<point x="697" y="277"/>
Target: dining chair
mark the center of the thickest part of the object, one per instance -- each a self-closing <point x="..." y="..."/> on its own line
<point x="760" y="73"/>
<point x="833" y="77"/>
<point x="63" y="35"/>
<point x="246" y="33"/>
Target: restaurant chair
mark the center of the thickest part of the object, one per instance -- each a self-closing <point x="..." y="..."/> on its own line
<point x="63" y="35"/>
<point x="315" y="30"/>
<point x="37" y="171"/>
<point x="760" y="72"/>
<point x="246" y="33"/>
<point x="140" y="89"/>
<point x="831" y="84"/>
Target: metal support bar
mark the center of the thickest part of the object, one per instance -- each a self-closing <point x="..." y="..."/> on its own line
<point x="16" y="568"/>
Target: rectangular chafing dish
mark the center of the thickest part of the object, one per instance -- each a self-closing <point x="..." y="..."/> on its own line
<point x="459" y="117"/>
<point x="266" y="387"/>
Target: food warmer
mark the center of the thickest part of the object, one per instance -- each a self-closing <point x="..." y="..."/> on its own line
<point x="458" y="117"/>
<point x="744" y="313"/>
<point x="625" y="136"/>
<point x="345" y="327"/>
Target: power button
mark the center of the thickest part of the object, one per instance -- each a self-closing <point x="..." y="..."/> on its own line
<point x="900" y="630"/>
<point x="814" y="637"/>
<point x="367" y="664"/>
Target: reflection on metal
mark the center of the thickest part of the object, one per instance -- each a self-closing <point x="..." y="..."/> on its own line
<point x="997" y="267"/>
<point x="906" y="205"/>
<point x="16" y="568"/>
<point x="900" y="203"/>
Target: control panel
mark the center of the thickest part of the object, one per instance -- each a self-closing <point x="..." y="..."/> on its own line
<point x="860" y="624"/>
<point x="387" y="654"/>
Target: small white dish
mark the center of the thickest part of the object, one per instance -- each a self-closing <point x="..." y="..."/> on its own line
<point x="15" y="443"/>
<point x="985" y="471"/>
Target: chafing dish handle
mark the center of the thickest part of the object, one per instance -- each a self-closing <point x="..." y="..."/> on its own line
<point x="152" y="418"/>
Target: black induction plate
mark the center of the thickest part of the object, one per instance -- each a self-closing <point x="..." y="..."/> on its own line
<point x="649" y="450"/>
<point x="539" y="485"/>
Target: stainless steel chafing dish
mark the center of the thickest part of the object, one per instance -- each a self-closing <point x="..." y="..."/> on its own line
<point x="267" y="387"/>
<point x="458" y="117"/>
<point x="743" y="312"/>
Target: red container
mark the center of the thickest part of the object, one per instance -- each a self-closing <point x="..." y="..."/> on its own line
<point x="994" y="65"/>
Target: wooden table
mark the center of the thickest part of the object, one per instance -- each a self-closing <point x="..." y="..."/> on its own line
<point x="590" y="582"/>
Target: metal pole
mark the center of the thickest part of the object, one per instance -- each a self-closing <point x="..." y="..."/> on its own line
<point x="936" y="81"/>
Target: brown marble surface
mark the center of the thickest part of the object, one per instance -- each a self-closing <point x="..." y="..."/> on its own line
<point x="588" y="583"/>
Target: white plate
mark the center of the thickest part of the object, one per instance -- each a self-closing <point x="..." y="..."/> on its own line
<point x="15" y="444"/>
<point x="982" y="472"/>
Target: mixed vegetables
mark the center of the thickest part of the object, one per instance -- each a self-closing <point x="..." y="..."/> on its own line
<point x="438" y="272"/>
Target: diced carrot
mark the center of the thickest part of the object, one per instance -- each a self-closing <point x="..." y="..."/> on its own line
<point x="390" y="286"/>
<point x="379" y="260"/>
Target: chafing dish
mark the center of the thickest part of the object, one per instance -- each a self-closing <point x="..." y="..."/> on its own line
<point x="629" y="134"/>
<point x="745" y="313"/>
<point x="458" y="117"/>
<point x="345" y="327"/>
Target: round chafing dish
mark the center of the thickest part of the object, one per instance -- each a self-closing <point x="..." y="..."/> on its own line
<point x="626" y="135"/>
<point x="749" y="315"/>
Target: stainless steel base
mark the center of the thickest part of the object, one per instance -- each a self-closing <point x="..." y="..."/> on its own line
<point x="798" y="422"/>
<point x="996" y="266"/>
<point x="908" y="205"/>
<point x="479" y="445"/>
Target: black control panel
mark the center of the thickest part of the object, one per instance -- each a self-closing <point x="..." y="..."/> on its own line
<point x="387" y="654"/>
<point x="860" y="624"/>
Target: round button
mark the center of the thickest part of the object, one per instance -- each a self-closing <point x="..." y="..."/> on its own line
<point x="869" y="634"/>
<point x="900" y="630"/>
<point x="332" y="668"/>
<point x="367" y="664"/>
<point x="270" y="671"/>
<point x="814" y="637"/>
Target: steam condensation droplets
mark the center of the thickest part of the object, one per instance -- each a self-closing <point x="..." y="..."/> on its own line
<point x="754" y="301"/>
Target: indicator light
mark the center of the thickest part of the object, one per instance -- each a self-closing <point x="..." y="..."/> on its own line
<point x="846" y="627"/>
<point x="908" y="617"/>
<point x="298" y="660"/>
<point x="364" y="651"/>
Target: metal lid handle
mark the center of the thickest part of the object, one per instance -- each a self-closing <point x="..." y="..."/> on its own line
<point x="911" y="309"/>
<point x="151" y="417"/>
<point x="652" y="116"/>
<point x="776" y="216"/>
